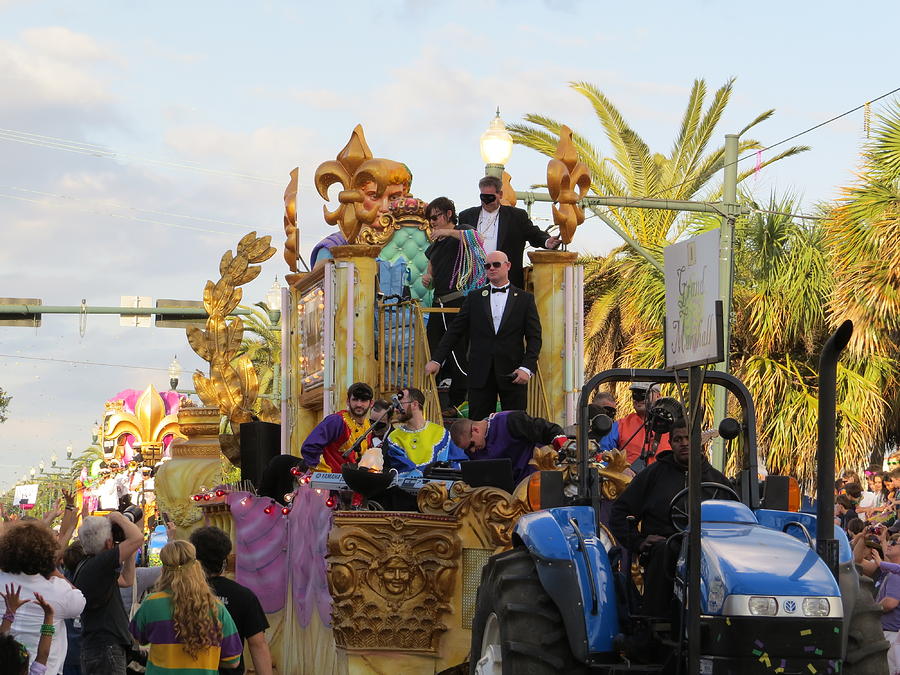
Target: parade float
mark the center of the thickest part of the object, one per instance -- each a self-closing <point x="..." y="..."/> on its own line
<point x="351" y="590"/>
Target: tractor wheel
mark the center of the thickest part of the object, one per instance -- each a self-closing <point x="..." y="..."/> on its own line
<point x="866" y="646"/>
<point x="517" y="628"/>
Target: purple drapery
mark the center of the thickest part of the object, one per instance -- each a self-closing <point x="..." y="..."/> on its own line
<point x="274" y="549"/>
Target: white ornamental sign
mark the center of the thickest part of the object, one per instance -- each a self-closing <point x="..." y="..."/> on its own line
<point x="693" y="310"/>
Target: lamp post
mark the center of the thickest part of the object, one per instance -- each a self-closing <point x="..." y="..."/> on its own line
<point x="273" y="301"/>
<point x="68" y="452"/>
<point x="53" y="459"/>
<point x="31" y="472"/>
<point x="496" y="147"/>
<point x="41" y="466"/>
<point x="174" y="371"/>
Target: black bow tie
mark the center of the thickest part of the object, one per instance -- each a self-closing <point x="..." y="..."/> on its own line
<point x="499" y="290"/>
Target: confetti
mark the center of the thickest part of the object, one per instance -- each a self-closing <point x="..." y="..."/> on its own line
<point x="758" y="643"/>
<point x="811" y="668"/>
<point x="818" y="652"/>
<point x="807" y="631"/>
<point x="764" y="659"/>
<point x="756" y="652"/>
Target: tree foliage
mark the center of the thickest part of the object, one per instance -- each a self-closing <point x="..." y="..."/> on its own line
<point x="4" y="404"/>
<point x="795" y="279"/>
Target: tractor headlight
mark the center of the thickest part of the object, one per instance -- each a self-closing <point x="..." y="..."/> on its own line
<point x="762" y="606"/>
<point x="816" y="607"/>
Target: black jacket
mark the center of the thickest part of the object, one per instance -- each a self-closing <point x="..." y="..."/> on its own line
<point x="648" y="497"/>
<point x="514" y="229"/>
<point x="517" y="343"/>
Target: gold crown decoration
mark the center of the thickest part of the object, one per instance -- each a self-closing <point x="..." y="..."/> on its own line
<point x="568" y="180"/>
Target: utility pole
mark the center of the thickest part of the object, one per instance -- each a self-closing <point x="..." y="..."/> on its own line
<point x="731" y="211"/>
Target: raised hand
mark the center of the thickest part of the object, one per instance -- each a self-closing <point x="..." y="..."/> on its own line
<point x="11" y="597"/>
<point x="46" y="606"/>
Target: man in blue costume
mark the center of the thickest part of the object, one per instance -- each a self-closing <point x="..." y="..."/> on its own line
<point x="415" y="442"/>
<point x="513" y="434"/>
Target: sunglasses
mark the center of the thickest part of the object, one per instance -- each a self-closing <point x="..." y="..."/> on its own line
<point x="638" y="396"/>
<point x="496" y="264"/>
<point x="434" y="217"/>
<point x="487" y="199"/>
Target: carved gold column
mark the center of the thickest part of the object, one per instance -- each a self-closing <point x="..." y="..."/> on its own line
<point x="354" y="321"/>
<point x="196" y="464"/>
<point x="556" y="307"/>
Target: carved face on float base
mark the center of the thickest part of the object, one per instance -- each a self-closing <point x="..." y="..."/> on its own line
<point x="395" y="576"/>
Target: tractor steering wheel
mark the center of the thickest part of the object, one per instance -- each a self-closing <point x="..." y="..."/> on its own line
<point x="678" y="515"/>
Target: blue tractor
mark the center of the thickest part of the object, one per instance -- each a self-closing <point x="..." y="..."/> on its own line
<point x="778" y="591"/>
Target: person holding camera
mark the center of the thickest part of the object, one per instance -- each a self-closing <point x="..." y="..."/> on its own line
<point x="633" y="438"/>
<point x="504" y="331"/>
<point x="110" y="544"/>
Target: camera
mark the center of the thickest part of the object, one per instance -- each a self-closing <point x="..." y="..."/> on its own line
<point x="663" y="414"/>
<point x="132" y="513"/>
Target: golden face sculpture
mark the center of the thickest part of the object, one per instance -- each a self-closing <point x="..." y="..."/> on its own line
<point x="370" y="183"/>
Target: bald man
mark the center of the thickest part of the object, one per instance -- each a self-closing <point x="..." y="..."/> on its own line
<point x="504" y="332"/>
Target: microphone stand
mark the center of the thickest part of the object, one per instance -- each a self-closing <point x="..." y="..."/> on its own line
<point x="346" y="454"/>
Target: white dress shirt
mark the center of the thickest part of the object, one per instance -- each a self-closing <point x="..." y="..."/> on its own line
<point x="498" y="304"/>
<point x="67" y="603"/>
<point x="488" y="223"/>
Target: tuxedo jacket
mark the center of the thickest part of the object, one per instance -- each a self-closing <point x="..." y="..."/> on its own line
<point x="514" y="229"/>
<point x="517" y="343"/>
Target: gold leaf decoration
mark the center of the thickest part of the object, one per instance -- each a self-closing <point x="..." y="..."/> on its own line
<point x="291" y="231"/>
<point x="149" y="425"/>
<point x="232" y="385"/>
<point x="568" y="180"/>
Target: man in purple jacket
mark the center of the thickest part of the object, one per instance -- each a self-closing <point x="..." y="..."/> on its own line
<point x="512" y="433"/>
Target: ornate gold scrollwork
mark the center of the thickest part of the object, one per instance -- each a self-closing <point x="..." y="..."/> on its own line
<point x="491" y="513"/>
<point x="392" y="579"/>
<point x="403" y="212"/>
<point x="615" y="480"/>
<point x="369" y="184"/>
<point x="232" y="385"/>
<point x="568" y="180"/>
<point x="291" y="236"/>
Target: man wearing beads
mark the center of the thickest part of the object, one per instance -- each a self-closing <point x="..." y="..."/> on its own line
<point x="416" y="442"/>
<point x="505" y="228"/>
<point x="455" y="266"/>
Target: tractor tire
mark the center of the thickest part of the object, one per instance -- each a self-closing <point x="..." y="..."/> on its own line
<point x="866" y="646"/>
<point x="517" y="629"/>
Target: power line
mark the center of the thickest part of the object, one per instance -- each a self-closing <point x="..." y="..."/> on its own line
<point x="131" y="208"/>
<point x="111" y="214"/>
<point x="81" y="363"/>
<point x="55" y="143"/>
<point x="775" y="145"/>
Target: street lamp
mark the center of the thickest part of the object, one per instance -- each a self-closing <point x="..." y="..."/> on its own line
<point x="69" y="452"/>
<point x="32" y="471"/>
<point x="41" y="466"/>
<point x="53" y="459"/>
<point x="496" y="147"/>
<point x="174" y="370"/>
<point x="273" y="301"/>
<point x="95" y="433"/>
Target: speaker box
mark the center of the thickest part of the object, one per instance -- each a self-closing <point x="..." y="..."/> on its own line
<point x="775" y="492"/>
<point x="260" y="443"/>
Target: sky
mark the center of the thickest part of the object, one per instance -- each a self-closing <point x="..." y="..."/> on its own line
<point x="140" y="141"/>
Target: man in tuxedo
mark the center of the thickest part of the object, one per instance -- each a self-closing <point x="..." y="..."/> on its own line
<point x="505" y="228"/>
<point x="504" y="341"/>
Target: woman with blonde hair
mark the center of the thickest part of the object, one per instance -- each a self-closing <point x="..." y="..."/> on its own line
<point x="187" y="628"/>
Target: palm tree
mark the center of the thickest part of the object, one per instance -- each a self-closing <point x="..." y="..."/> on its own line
<point x="863" y="239"/>
<point x="262" y="345"/>
<point x="791" y="277"/>
<point x="624" y="293"/>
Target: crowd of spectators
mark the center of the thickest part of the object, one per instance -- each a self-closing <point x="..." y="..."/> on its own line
<point x="83" y="606"/>
<point x="868" y="512"/>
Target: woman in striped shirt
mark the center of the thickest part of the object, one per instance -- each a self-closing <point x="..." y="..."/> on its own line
<point x="189" y="631"/>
